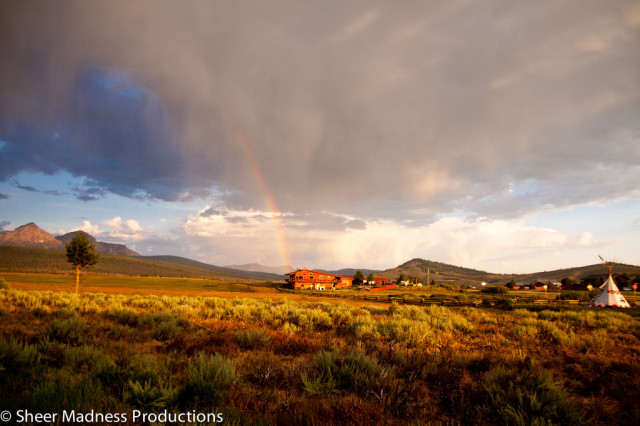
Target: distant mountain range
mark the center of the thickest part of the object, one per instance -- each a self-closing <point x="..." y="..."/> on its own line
<point x="32" y="236"/>
<point x="256" y="267"/>
<point x="222" y="270"/>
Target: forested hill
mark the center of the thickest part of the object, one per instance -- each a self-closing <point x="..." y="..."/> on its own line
<point x="420" y="268"/>
<point x="459" y="275"/>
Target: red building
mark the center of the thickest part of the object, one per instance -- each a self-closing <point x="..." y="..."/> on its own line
<point x="306" y="278"/>
<point x="377" y="282"/>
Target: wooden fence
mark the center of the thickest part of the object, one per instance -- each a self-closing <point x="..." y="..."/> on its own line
<point x="516" y="301"/>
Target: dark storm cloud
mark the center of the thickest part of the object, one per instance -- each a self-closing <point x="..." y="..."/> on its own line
<point x="4" y="224"/>
<point x="3" y="196"/>
<point x="211" y="212"/>
<point x="24" y="187"/>
<point x="367" y="108"/>
<point x="30" y="188"/>
<point x="114" y="132"/>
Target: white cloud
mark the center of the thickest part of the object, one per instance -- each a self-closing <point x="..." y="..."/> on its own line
<point x="88" y="228"/>
<point x="116" y="230"/>
<point x="233" y="236"/>
<point x="125" y="230"/>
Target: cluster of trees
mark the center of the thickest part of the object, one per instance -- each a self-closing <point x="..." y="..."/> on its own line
<point x="358" y="277"/>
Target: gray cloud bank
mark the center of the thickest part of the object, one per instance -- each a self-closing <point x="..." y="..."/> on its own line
<point x="368" y="108"/>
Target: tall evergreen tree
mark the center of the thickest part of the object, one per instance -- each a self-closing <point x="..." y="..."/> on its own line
<point x="81" y="253"/>
<point x="358" y="277"/>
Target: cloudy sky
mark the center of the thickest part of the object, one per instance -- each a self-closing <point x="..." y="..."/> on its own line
<point x="501" y="135"/>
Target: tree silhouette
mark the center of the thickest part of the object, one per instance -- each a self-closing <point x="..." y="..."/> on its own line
<point x="81" y="253"/>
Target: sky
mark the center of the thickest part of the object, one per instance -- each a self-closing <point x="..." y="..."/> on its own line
<point x="499" y="135"/>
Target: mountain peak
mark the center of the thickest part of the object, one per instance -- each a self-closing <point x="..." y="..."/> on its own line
<point x="105" y="248"/>
<point x="69" y="236"/>
<point x="30" y="225"/>
<point x="30" y="235"/>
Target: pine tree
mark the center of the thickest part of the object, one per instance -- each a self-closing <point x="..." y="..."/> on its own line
<point x="81" y="253"/>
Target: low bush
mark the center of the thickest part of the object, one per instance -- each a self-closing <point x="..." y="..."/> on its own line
<point x="573" y="295"/>
<point x="16" y="357"/>
<point x="525" y="397"/>
<point x="4" y="285"/>
<point x="149" y="320"/>
<point x="504" y="303"/>
<point x="122" y="316"/>
<point x="148" y="397"/>
<point x="147" y="368"/>
<point x="86" y="358"/>
<point x="166" y="330"/>
<point x="60" y="390"/>
<point x="71" y="330"/>
<point x="495" y="290"/>
<point x="250" y="339"/>
<point x="208" y="377"/>
<point x="355" y="372"/>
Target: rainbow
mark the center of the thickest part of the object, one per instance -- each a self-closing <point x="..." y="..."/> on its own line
<point x="270" y="202"/>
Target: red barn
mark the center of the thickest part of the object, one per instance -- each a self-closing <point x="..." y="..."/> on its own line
<point x="306" y="278"/>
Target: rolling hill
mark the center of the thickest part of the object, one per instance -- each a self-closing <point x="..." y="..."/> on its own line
<point x="445" y="273"/>
<point x="36" y="260"/>
<point x="461" y="276"/>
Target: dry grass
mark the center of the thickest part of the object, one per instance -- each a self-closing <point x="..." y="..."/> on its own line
<point x="285" y="361"/>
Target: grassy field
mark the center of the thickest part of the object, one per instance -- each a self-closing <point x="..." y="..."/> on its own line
<point x="110" y="282"/>
<point x="279" y="361"/>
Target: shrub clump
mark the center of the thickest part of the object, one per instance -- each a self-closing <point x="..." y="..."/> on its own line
<point x="208" y="377"/>
<point x="149" y="397"/>
<point x="69" y="330"/>
<point x="16" y="356"/>
<point x="122" y="316"/>
<point x="166" y="325"/>
<point x="4" y="285"/>
<point x="525" y="397"/>
<point x="495" y="290"/>
<point x="250" y="339"/>
<point x="354" y="372"/>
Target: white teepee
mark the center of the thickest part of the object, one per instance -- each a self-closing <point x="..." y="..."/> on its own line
<point x="609" y="296"/>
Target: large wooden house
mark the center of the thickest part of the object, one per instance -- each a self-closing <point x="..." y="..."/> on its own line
<point x="309" y="279"/>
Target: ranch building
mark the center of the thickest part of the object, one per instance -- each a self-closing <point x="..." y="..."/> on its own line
<point x="309" y="279"/>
